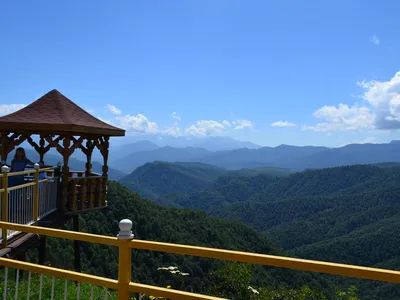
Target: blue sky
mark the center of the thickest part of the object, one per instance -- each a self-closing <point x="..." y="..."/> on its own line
<point x="246" y="69"/>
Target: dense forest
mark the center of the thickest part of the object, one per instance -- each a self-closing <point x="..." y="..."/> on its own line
<point x="343" y="214"/>
<point x="152" y="222"/>
<point x="184" y="177"/>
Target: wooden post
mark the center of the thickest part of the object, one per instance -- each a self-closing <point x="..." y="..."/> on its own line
<point x="89" y="152"/>
<point x="4" y="202"/>
<point x="82" y="193"/>
<point x="125" y="259"/>
<point x="77" y="250"/>
<point x="100" y="194"/>
<point x="2" y="147"/>
<point x="41" y="152"/>
<point x="42" y="249"/>
<point x="105" y="151"/>
<point x="90" y="190"/>
<point x="21" y="257"/>
<point x="65" y="177"/>
<point x="73" y="195"/>
<point x="5" y="146"/>
<point x="57" y="176"/>
<point x="36" y="194"/>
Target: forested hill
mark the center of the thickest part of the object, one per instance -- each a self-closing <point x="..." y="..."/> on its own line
<point x="153" y="222"/>
<point x="344" y="214"/>
<point x="154" y="180"/>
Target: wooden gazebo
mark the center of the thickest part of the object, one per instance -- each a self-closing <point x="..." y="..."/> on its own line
<point x="61" y="124"/>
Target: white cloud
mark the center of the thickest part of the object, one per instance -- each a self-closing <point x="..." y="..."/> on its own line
<point x="172" y="130"/>
<point x="384" y="98"/>
<point x="6" y="109"/>
<point x="210" y="127"/>
<point x="342" y="118"/>
<point x="138" y="123"/>
<point x="207" y="127"/>
<point x="242" y="124"/>
<point x="113" y="109"/>
<point x="176" y="117"/>
<point x="283" y="124"/>
<point x="375" y="40"/>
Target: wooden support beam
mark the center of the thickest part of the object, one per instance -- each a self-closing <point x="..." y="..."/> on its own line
<point x="65" y="152"/>
<point x="42" y="249"/>
<point x="7" y="144"/>
<point x="89" y="152"/>
<point x="104" y="182"/>
<point x="33" y="144"/>
<point x="77" y="250"/>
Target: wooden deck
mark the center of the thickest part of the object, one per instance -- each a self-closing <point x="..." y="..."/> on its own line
<point x="19" y="243"/>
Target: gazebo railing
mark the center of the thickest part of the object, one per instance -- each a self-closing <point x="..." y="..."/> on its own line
<point x="48" y="193"/>
<point x="86" y="192"/>
<point x="30" y="201"/>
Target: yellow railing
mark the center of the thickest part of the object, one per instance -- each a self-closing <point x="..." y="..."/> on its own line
<point x="26" y="196"/>
<point x="125" y="242"/>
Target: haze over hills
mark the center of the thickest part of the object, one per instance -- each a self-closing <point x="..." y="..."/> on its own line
<point x="144" y="142"/>
<point x="295" y="158"/>
<point x="170" y="154"/>
<point x="211" y="143"/>
<point x="347" y="214"/>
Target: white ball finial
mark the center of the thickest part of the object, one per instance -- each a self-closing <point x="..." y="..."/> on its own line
<point x="5" y="169"/>
<point x="36" y="166"/>
<point x="59" y="164"/>
<point x="125" y="232"/>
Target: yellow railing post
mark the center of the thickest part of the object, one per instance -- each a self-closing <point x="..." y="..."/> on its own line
<point x="125" y="259"/>
<point x="36" y="194"/>
<point x="4" y="202"/>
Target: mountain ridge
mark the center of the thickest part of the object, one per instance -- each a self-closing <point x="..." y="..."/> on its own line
<point x="295" y="158"/>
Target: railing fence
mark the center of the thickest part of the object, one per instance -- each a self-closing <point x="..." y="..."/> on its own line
<point x="124" y="287"/>
<point x="25" y="199"/>
<point x="20" y="207"/>
<point x="16" y="284"/>
<point x="48" y="189"/>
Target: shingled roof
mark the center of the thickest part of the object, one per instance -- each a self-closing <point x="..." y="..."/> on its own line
<point x="54" y="113"/>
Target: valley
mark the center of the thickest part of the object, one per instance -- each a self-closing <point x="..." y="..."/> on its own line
<point x="344" y="214"/>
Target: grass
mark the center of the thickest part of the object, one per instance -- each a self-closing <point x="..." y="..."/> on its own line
<point x="59" y="286"/>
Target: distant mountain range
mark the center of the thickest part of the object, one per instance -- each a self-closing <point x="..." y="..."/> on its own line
<point x="135" y="143"/>
<point x="295" y="158"/>
<point x="211" y="143"/>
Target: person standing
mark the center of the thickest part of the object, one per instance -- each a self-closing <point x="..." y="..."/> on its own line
<point x="19" y="164"/>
